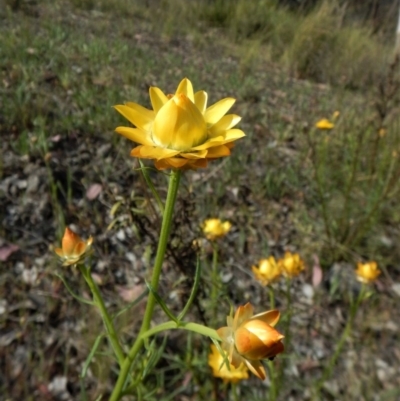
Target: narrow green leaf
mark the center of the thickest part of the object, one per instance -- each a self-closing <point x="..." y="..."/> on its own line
<point x="162" y="304"/>
<point x="132" y="304"/>
<point x="193" y="292"/>
<point x="91" y="355"/>
<point x="77" y="297"/>
<point x="150" y="184"/>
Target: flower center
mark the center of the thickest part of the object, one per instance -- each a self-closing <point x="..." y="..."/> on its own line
<point x="179" y="125"/>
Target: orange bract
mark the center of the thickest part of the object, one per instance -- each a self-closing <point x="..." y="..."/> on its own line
<point x="73" y="249"/>
<point x="248" y="339"/>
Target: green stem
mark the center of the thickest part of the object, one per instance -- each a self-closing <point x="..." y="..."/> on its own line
<point x="286" y="333"/>
<point x="273" y="391"/>
<point x="214" y="281"/>
<point x="271" y="297"/>
<point x="346" y="333"/>
<point x="98" y="299"/>
<point x="151" y="301"/>
<point x="234" y="390"/>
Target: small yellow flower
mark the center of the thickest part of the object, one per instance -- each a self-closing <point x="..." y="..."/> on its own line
<point x="248" y="339"/>
<point x="181" y="132"/>
<point x="291" y="264"/>
<point x="324" y="124"/>
<point x="267" y="271"/>
<point x="74" y="249"/>
<point x="382" y="132"/>
<point x="215" y="228"/>
<point x="367" y="272"/>
<point x="219" y="369"/>
<point x="335" y="115"/>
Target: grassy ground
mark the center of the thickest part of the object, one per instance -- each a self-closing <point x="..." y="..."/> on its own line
<point x="329" y="195"/>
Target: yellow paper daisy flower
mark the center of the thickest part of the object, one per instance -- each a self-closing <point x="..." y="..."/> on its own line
<point x="215" y="228"/>
<point x="219" y="368"/>
<point x="181" y="132"/>
<point x="367" y="272"/>
<point x="324" y="124"/>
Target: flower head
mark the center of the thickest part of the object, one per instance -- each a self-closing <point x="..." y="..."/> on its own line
<point x="367" y="272"/>
<point x="248" y="339"/>
<point x="267" y="271"/>
<point x="180" y="132"/>
<point x="74" y="249"/>
<point x="291" y="264"/>
<point x="215" y="228"/>
<point x="324" y="124"/>
<point x="219" y="368"/>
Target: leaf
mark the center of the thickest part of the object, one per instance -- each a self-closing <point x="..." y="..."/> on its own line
<point x="77" y="297"/>
<point x="91" y="355"/>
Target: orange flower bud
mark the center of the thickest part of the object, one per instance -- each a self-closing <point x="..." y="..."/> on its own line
<point x="249" y="338"/>
<point x="74" y="249"/>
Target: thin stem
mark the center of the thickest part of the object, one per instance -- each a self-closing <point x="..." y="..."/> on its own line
<point x="286" y="333"/>
<point x="151" y="301"/>
<point x="151" y="186"/>
<point x="345" y="334"/>
<point x="271" y="297"/>
<point x="214" y="281"/>
<point x="273" y="390"/>
<point x="234" y="390"/>
<point x="98" y="299"/>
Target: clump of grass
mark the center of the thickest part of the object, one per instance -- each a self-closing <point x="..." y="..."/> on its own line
<point x="325" y="49"/>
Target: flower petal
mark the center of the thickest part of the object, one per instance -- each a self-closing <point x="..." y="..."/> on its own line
<point x="270" y="317"/>
<point x="174" y="162"/>
<point x="186" y="88"/>
<point x="233" y="134"/>
<point x="136" y="135"/>
<point x="218" y="151"/>
<point x="210" y="143"/>
<point x="157" y="98"/>
<point x="59" y="252"/>
<point x="224" y="124"/>
<point x="154" y="152"/>
<point x="242" y="314"/>
<point x="200" y="100"/>
<point x="195" y="155"/>
<point x="215" y="112"/>
<point x="257" y="368"/>
<point x="136" y="117"/>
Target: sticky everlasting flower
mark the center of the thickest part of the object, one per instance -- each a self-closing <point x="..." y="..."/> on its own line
<point x="267" y="271"/>
<point x="324" y="124"/>
<point x="248" y="339"/>
<point x="181" y="132"/>
<point x="215" y="228"/>
<point x="291" y="264"/>
<point x="367" y="272"/>
<point x="74" y="249"/>
<point x="219" y="368"/>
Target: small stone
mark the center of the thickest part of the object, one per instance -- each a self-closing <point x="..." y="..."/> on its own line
<point x="33" y="184"/>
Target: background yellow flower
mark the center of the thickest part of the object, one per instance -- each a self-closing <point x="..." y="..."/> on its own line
<point x="291" y="264"/>
<point x="367" y="272"/>
<point x="215" y="228"/>
<point x="267" y="271"/>
<point x="324" y="124"/>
